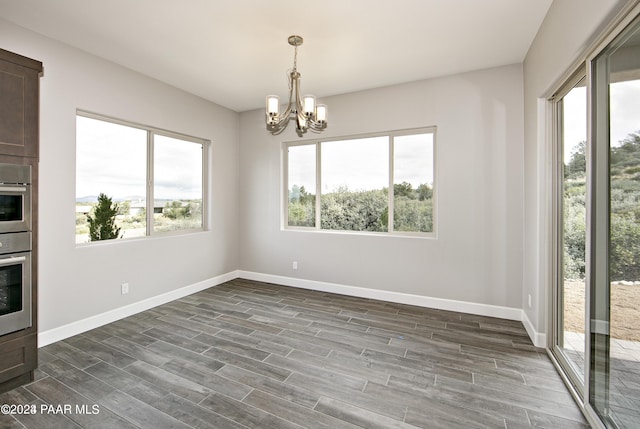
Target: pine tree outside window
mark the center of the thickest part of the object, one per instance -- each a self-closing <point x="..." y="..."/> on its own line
<point x="102" y="220"/>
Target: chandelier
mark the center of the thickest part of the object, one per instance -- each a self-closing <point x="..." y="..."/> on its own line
<point x="307" y="114"/>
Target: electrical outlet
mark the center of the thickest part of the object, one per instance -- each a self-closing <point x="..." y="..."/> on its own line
<point x="124" y="288"/>
<point x="295" y="265"/>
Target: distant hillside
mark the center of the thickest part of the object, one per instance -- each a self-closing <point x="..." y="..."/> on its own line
<point x="94" y="198"/>
<point x="87" y="199"/>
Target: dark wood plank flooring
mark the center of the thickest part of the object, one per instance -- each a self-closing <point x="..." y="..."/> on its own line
<point x="254" y="355"/>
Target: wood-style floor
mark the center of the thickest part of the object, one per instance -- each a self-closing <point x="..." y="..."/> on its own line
<point x="254" y="355"/>
<point x="624" y="379"/>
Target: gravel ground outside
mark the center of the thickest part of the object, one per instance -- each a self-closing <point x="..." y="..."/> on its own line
<point x="625" y="309"/>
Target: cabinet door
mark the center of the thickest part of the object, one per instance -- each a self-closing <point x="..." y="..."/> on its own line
<point x="18" y="110"/>
<point x="18" y="356"/>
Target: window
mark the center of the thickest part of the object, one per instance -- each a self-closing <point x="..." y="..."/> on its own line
<point x="301" y="196"/>
<point x="118" y="160"/>
<point x="379" y="183"/>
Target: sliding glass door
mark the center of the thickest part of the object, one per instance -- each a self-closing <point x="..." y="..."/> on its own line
<point x="596" y="293"/>
<point x="614" y="389"/>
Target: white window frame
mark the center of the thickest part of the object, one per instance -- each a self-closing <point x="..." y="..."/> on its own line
<point x="149" y="188"/>
<point x="318" y="144"/>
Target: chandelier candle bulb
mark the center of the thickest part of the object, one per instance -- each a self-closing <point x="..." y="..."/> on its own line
<point x="273" y="105"/>
<point x="309" y="104"/>
<point x="321" y="113"/>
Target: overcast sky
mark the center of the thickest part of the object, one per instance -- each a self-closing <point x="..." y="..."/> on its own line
<point x="624" y="114"/>
<point x="111" y="159"/>
<point x="363" y="164"/>
<point x="625" y="110"/>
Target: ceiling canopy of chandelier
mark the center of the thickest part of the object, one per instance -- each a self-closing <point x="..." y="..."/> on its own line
<point x="307" y="114"/>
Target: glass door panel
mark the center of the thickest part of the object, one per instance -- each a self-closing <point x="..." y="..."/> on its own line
<point x="571" y="126"/>
<point x="615" y="244"/>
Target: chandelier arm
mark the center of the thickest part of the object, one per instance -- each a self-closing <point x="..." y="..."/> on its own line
<point x="282" y="122"/>
<point x="286" y="113"/>
<point x="282" y="119"/>
<point x="301" y="121"/>
<point x="316" y="126"/>
<point x="292" y="80"/>
<point x="296" y="93"/>
<point x="277" y="129"/>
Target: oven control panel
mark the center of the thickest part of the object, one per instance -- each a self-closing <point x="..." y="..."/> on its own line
<point x="15" y="242"/>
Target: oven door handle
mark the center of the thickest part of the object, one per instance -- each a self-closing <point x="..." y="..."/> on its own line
<point x="12" y="260"/>
<point x="22" y="189"/>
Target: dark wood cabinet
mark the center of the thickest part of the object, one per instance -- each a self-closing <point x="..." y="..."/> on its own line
<point x="19" y="83"/>
<point x="18" y="359"/>
<point x="19" y="134"/>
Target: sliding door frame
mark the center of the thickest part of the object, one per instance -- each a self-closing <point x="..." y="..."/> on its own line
<point x="595" y="160"/>
<point x="557" y="253"/>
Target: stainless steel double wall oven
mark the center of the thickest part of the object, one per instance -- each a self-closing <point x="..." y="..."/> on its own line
<point x="15" y="248"/>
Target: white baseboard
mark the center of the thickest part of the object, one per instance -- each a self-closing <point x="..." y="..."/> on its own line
<point x="80" y="326"/>
<point x="401" y="298"/>
<point x="537" y="338"/>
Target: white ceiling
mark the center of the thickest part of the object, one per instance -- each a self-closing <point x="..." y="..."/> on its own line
<point x="234" y="52"/>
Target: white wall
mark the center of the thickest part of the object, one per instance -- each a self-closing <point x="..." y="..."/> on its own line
<point x="477" y="256"/>
<point x="568" y="29"/>
<point x="80" y="282"/>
